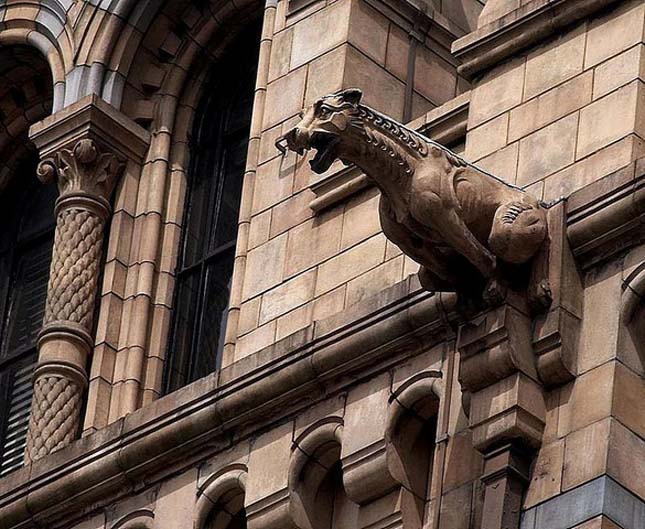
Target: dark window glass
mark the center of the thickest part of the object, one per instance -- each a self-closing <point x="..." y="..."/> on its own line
<point x="26" y="214"/>
<point x="218" y="149"/>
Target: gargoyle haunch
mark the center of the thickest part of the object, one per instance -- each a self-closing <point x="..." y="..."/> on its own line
<point x="462" y="225"/>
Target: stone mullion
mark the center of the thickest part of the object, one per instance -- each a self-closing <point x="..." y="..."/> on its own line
<point x="86" y="178"/>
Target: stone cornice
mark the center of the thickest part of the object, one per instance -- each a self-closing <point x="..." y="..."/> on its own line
<point x="608" y="215"/>
<point x="520" y="29"/>
<point x="194" y="421"/>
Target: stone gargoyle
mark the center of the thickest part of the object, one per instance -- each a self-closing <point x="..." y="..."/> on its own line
<point x="471" y="232"/>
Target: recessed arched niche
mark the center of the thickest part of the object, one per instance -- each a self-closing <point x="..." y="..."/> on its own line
<point x="220" y="500"/>
<point x="317" y="497"/>
<point x="410" y="443"/>
<point x="632" y="339"/>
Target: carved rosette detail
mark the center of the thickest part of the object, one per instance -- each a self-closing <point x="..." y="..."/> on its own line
<point x="86" y="178"/>
<point x="55" y="416"/>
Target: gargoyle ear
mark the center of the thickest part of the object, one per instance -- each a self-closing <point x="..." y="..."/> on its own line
<point x="352" y="95"/>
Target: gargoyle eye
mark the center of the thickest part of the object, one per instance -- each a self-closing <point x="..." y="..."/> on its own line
<point x="324" y="112"/>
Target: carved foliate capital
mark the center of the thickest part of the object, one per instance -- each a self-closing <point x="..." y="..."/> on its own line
<point x="83" y="169"/>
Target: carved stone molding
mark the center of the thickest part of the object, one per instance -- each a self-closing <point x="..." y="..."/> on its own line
<point x="518" y="29"/>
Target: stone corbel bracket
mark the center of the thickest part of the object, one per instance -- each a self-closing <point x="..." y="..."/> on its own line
<point x="510" y="356"/>
<point x="556" y="332"/>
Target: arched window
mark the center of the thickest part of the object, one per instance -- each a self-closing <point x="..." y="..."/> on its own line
<point x="218" y="158"/>
<point x="26" y="240"/>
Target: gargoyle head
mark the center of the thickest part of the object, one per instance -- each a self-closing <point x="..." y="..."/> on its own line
<point x="323" y="127"/>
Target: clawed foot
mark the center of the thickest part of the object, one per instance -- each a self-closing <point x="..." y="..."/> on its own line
<point x="539" y="295"/>
<point x="494" y="293"/>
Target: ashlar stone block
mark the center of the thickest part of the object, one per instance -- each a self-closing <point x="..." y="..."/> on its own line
<point x="361" y="218"/>
<point x="260" y="277"/>
<point x="372" y="282"/>
<point x="350" y="264"/>
<point x="611" y="118"/>
<point x="285" y="97"/>
<point x="626" y="458"/>
<point x="585" y="455"/>
<point x="617" y="30"/>
<point x="287" y="296"/>
<point x="557" y="61"/>
<point x="313" y="242"/>
<point x="368" y="31"/>
<point x="269" y="463"/>
<point x="499" y="90"/>
<point x="487" y="138"/>
<point x="547" y="150"/>
<point x="550" y="106"/>
<point x="320" y="32"/>
<point x="619" y="70"/>
<point x="175" y="504"/>
<point x="546" y="474"/>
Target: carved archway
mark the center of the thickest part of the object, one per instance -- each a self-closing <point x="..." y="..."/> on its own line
<point x="220" y="500"/>
<point x="316" y="491"/>
<point x="410" y="436"/>
<point x="139" y="519"/>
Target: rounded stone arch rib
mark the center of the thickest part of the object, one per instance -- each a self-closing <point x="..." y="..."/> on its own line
<point x="139" y="519"/>
<point x="221" y="497"/>
<point x="315" y="485"/>
<point x="633" y="308"/>
<point x="48" y="32"/>
<point x="410" y="435"/>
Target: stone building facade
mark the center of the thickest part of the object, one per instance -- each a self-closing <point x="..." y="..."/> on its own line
<point x="200" y="331"/>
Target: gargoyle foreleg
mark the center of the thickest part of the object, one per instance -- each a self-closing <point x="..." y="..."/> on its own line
<point x="455" y="233"/>
<point x="416" y="248"/>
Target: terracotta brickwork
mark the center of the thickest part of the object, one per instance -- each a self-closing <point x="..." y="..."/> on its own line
<point x="347" y="394"/>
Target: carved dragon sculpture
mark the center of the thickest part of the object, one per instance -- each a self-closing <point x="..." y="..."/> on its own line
<point x="462" y="225"/>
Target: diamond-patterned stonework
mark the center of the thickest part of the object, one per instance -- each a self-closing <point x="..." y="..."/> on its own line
<point x="74" y="269"/>
<point x="55" y="415"/>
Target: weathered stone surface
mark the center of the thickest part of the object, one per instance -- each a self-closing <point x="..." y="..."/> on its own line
<point x="585" y="455"/>
<point x="556" y="62"/>
<point x="611" y="118"/>
<point x="294" y="353"/>
<point x="546" y="474"/>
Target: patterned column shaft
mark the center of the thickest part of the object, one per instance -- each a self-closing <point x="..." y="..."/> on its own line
<point x="85" y="180"/>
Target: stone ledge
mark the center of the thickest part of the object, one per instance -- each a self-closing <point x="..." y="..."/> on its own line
<point x="518" y="30"/>
<point x="608" y="215"/>
<point x="194" y="421"/>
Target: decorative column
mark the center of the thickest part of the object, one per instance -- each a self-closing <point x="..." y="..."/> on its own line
<point x="83" y="149"/>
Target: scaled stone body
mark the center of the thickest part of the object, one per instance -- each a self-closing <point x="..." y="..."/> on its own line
<point x="449" y="216"/>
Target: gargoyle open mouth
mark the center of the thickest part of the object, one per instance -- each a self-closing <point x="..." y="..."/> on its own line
<point x="325" y="144"/>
